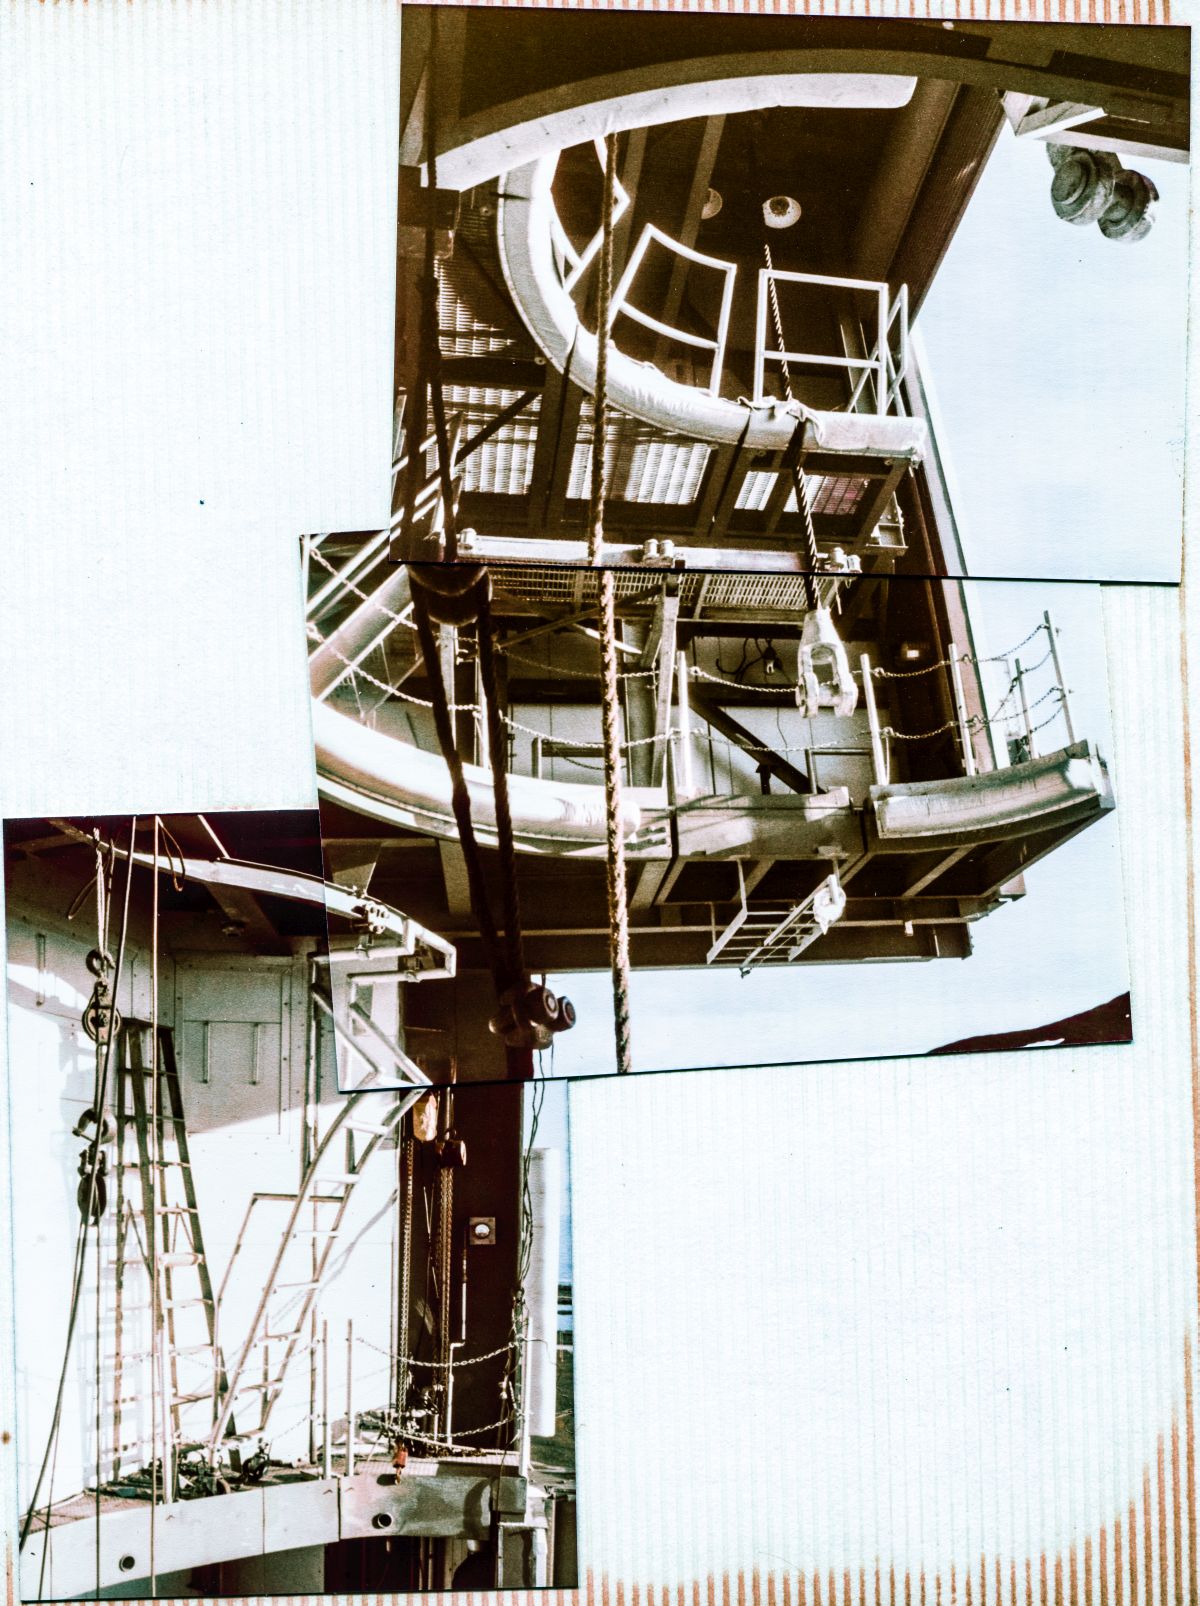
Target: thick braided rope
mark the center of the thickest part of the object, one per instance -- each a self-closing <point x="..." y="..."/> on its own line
<point x="618" y="912"/>
<point x="460" y="800"/>
<point x="600" y="400"/>
<point x="798" y="481"/>
<point x="498" y="745"/>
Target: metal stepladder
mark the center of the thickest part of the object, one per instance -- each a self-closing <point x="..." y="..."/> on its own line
<point x="777" y="933"/>
<point x="158" y="1228"/>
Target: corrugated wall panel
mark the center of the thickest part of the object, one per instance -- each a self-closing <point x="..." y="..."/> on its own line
<point x="926" y="1325"/>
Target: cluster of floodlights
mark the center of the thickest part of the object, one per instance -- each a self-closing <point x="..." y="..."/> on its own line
<point x="1093" y="187"/>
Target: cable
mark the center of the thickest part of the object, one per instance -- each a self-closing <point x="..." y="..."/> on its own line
<point x="51" y="1451"/>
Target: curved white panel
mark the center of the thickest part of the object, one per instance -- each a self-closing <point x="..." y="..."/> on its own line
<point x="714" y="86"/>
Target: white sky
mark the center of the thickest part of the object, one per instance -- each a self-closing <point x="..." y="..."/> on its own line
<point x="1057" y="360"/>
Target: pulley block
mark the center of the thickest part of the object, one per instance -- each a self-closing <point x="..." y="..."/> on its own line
<point x="100" y="1019"/>
<point x="529" y="1016"/>
<point x="84" y="1194"/>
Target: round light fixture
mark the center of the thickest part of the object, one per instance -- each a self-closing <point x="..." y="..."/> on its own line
<point x="781" y="211"/>
<point x="713" y="202"/>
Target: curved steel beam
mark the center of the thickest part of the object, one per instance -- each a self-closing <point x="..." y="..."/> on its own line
<point x="638" y="389"/>
<point x="393" y="781"/>
<point x="501" y="137"/>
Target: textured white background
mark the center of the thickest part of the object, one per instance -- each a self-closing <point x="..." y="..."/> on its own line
<point x="920" y="1309"/>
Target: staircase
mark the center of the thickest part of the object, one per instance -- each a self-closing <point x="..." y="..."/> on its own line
<point x="317" y="1211"/>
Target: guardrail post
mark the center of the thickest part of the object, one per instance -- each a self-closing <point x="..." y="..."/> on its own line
<point x="350" y="1399"/>
<point x="1025" y="720"/>
<point x="960" y="709"/>
<point x="1052" y="633"/>
<point x="685" y="784"/>
<point x="878" y="761"/>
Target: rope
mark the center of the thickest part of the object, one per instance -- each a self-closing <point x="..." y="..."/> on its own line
<point x="498" y="752"/>
<point x="618" y="910"/>
<point x="799" y="483"/>
<point x="100" y="1093"/>
<point x="600" y="401"/>
<point x="458" y="602"/>
<point x="979" y="722"/>
<point x="460" y="800"/>
<point x="449" y="1444"/>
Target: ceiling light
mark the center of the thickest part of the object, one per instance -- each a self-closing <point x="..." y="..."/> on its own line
<point x="713" y="203"/>
<point x="781" y="211"/>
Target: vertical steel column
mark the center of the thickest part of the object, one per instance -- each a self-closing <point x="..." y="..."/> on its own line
<point x="326" y="1447"/>
<point x="350" y="1399"/>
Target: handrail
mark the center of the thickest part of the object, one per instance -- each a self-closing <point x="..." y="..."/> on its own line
<point x="621" y="303"/>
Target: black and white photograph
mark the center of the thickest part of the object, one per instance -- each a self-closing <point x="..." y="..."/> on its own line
<point x="272" y="1338"/>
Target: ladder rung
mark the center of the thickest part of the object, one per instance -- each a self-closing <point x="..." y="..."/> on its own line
<point x="194" y="1399"/>
<point x="259" y="1388"/>
<point x="178" y="1350"/>
<point x="168" y="1261"/>
<point x="317" y="1232"/>
<point x="375" y="1130"/>
<point x="308" y="1284"/>
<point x="340" y="1177"/>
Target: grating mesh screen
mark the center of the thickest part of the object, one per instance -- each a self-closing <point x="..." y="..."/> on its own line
<point x="461" y="332"/>
<point x="543" y="582"/>
<point x="642" y="466"/>
<point x="831" y="494"/>
<point x="834" y="495"/>
<point x="505" y="462"/>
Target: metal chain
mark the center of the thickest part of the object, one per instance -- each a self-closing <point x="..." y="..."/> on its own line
<point x="919" y="736"/>
<point x="434" y="1366"/>
<point x="572" y="674"/>
<point x="363" y="596"/>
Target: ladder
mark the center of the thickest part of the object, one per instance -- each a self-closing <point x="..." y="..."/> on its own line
<point x="364" y="1123"/>
<point x="777" y="934"/>
<point x="158" y="1230"/>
